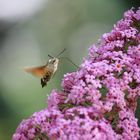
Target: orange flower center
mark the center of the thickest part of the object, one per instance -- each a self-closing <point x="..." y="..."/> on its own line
<point x="118" y="65"/>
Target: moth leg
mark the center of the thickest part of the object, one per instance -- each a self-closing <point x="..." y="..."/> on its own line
<point x="53" y="75"/>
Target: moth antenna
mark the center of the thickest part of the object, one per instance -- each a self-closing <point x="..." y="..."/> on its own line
<point x="50" y="56"/>
<point x="61" y="52"/>
<point x="70" y="61"/>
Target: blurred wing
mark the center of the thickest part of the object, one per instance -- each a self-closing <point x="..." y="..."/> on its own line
<point x="36" y="71"/>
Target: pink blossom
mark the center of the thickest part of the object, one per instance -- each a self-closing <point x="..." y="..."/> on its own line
<point x="99" y="100"/>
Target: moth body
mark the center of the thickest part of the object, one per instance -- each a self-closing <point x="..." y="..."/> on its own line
<point x="45" y="72"/>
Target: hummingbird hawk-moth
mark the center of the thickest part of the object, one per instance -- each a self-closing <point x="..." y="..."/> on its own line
<point x="47" y="71"/>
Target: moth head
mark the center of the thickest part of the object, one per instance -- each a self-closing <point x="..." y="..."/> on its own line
<point x="53" y="61"/>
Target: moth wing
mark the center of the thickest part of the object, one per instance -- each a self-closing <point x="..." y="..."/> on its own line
<point x="36" y="71"/>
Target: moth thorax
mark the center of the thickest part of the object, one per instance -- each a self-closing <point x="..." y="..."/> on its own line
<point x="53" y="64"/>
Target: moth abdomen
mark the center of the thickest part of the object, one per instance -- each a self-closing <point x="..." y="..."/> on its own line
<point x="44" y="80"/>
<point x="43" y="83"/>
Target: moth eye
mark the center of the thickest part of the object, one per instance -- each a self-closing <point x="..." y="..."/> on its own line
<point x="53" y="61"/>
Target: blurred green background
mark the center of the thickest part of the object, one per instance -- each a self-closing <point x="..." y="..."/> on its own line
<point x="29" y="31"/>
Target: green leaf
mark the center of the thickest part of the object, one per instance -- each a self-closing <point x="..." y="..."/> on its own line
<point x="103" y="90"/>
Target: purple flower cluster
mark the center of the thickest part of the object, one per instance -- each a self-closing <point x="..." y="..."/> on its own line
<point x="97" y="102"/>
